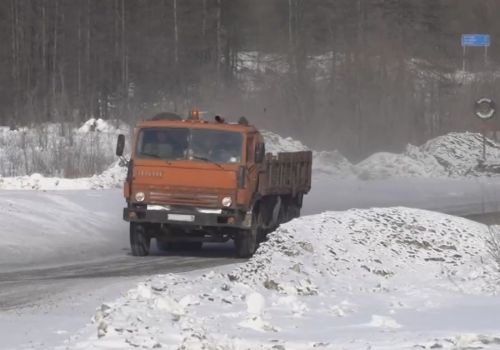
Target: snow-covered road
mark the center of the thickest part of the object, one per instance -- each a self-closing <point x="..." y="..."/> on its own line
<point x="50" y="290"/>
<point x="461" y="196"/>
<point x="82" y="226"/>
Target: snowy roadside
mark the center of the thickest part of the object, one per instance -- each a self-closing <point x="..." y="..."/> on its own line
<point x="393" y="278"/>
<point x="112" y="177"/>
<point x="41" y="227"/>
<point x="454" y="156"/>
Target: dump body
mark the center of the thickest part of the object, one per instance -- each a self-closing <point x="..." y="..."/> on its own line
<point x="286" y="174"/>
<point x="194" y="181"/>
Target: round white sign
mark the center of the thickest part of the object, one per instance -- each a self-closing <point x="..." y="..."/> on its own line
<point x="485" y="108"/>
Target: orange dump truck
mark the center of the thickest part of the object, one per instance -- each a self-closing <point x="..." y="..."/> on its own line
<point x="191" y="181"/>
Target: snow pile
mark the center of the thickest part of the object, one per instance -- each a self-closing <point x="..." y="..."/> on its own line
<point x="113" y="177"/>
<point x="276" y="143"/>
<point x="331" y="163"/>
<point x="412" y="163"/>
<point x="348" y="280"/>
<point x="459" y="153"/>
<point x="450" y="155"/>
<point x="324" y="162"/>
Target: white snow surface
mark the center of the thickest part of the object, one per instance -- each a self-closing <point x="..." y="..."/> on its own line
<point x="113" y="177"/>
<point x="276" y="143"/>
<point x="392" y="278"/>
<point x="451" y="155"/>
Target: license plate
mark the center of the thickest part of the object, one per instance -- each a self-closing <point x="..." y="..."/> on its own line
<point x="181" y="217"/>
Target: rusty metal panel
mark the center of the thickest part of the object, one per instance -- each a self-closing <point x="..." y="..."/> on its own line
<point x="286" y="173"/>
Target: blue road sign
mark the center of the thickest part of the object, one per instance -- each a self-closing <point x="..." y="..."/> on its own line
<point x="475" y="40"/>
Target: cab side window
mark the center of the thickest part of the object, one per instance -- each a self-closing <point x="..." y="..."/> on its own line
<point x="250" y="150"/>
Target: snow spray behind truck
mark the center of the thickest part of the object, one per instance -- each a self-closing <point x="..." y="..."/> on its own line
<point x="191" y="181"/>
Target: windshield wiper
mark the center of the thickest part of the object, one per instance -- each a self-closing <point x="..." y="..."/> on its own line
<point x="207" y="160"/>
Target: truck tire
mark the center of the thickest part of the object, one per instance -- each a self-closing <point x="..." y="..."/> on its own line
<point x="294" y="211"/>
<point x="139" y="240"/>
<point x="246" y="241"/>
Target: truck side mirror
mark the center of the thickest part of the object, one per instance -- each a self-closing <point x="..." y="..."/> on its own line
<point x="120" y="145"/>
<point x="260" y="151"/>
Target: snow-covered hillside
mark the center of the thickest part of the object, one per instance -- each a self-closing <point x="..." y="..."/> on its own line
<point x="393" y="278"/>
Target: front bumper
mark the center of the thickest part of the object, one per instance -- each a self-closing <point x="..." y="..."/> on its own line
<point x="189" y="217"/>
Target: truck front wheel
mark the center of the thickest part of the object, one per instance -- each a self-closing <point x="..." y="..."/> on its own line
<point x="139" y="240"/>
<point x="246" y="241"/>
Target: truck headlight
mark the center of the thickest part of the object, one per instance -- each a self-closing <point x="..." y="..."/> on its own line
<point x="227" y="201"/>
<point x="140" y="196"/>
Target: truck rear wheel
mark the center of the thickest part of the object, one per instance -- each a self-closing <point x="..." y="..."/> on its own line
<point x="139" y="240"/>
<point x="294" y="210"/>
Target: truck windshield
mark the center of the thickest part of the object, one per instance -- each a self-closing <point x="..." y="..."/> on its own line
<point x="190" y="144"/>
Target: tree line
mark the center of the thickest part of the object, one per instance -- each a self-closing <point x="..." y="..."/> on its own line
<point x="356" y="75"/>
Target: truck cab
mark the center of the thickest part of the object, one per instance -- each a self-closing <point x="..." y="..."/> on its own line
<point x="191" y="181"/>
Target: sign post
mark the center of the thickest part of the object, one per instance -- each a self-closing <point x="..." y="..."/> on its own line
<point x="475" y="40"/>
<point x="485" y="109"/>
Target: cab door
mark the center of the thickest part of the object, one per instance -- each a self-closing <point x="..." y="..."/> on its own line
<point x="251" y="169"/>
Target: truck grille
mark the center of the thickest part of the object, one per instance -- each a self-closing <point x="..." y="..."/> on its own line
<point x="185" y="198"/>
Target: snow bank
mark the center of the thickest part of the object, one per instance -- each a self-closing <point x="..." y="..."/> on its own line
<point x="331" y="163"/>
<point x="60" y="227"/>
<point x="276" y="143"/>
<point x="324" y="162"/>
<point x="113" y="177"/>
<point x="412" y="163"/>
<point x="459" y="153"/>
<point x="450" y="155"/>
<point x="349" y="280"/>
